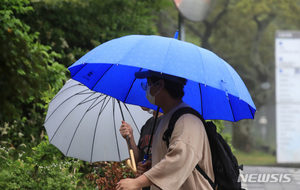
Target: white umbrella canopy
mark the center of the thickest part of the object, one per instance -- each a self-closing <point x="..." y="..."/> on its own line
<point x="85" y="124"/>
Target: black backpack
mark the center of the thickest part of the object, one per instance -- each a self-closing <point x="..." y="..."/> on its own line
<point x="225" y="164"/>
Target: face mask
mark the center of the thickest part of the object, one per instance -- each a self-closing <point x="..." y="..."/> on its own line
<point x="149" y="97"/>
<point x="150" y="111"/>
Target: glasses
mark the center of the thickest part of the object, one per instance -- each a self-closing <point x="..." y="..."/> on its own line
<point x="144" y="85"/>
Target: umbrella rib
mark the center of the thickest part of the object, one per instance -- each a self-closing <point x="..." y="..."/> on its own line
<point x="232" y="79"/>
<point x="132" y="118"/>
<point x="84" y="64"/>
<point x="131" y="87"/>
<point x="200" y="54"/>
<point x="231" y="110"/>
<point x="102" y="76"/>
<point x="99" y="101"/>
<point x="251" y="111"/>
<point x="65" y="102"/>
<point x="115" y="131"/>
<point x="78" y="126"/>
<point x="59" y="93"/>
<point x="104" y="104"/>
<point x="134" y="44"/>
<point x="83" y="102"/>
<point x="167" y="52"/>
<point x="67" y="116"/>
<point x="200" y="90"/>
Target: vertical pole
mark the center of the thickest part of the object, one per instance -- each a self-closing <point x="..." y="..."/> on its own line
<point x="151" y="138"/>
<point x="181" y="27"/>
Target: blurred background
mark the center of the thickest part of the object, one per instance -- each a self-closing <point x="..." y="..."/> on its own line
<point x="39" y="39"/>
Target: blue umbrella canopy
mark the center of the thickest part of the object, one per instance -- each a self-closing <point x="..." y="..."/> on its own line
<point x="214" y="88"/>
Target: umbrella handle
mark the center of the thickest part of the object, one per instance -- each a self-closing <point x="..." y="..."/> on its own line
<point x="133" y="164"/>
<point x="131" y="154"/>
<point x="145" y="158"/>
<point x="132" y="160"/>
<point x="128" y="142"/>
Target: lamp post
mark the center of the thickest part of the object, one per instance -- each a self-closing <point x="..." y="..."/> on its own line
<point x="194" y="10"/>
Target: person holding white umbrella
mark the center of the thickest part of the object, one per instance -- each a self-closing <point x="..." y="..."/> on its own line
<point x="173" y="167"/>
<point x="143" y="146"/>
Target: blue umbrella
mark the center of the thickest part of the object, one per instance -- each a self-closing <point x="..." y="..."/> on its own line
<point x="214" y="88"/>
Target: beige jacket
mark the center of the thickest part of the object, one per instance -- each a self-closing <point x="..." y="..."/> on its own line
<point x="174" y="168"/>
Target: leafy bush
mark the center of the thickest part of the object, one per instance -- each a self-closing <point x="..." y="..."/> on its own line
<point x="227" y="137"/>
<point x="28" y="72"/>
<point x="74" y="27"/>
<point x="47" y="168"/>
<point x="108" y="174"/>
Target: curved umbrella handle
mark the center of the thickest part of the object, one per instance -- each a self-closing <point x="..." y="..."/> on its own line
<point x="133" y="164"/>
<point x="131" y="154"/>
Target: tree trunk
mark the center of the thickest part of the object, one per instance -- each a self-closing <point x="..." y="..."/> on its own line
<point x="242" y="137"/>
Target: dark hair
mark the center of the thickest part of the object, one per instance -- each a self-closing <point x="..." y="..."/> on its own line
<point x="175" y="89"/>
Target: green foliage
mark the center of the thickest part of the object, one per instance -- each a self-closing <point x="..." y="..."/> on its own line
<point x="74" y="27"/>
<point x="44" y="168"/>
<point x="245" y="37"/>
<point x="30" y="76"/>
<point x="227" y="137"/>
<point x="28" y="73"/>
<point x="47" y="168"/>
<point x="255" y="157"/>
<point x="242" y="32"/>
<point x="108" y="174"/>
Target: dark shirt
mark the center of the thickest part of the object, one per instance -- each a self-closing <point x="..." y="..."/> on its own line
<point x="145" y="136"/>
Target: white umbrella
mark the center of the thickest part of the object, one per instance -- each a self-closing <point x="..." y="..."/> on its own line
<point x="85" y="124"/>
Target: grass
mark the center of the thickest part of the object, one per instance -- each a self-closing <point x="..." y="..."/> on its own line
<point x="255" y="158"/>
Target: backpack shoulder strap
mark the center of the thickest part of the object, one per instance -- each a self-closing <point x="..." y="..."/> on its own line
<point x="212" y="184"/>
<point x="168" y="133"/>
<point x="176" y="115"/>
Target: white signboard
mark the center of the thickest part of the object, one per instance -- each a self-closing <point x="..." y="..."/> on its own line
<point x="287" y="60"/>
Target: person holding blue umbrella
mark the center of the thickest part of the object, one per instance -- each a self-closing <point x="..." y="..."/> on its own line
<point x="173" y="167"/>
<point x="213" y="88"/>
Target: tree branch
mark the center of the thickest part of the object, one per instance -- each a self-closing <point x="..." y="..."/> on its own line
<point x="255" y="54"/>
<point x="209" y="26"/>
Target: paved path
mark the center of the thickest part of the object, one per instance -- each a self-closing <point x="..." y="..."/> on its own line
<point x="270" y="178"/>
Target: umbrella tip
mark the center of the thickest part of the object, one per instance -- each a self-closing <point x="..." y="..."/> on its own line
<point x="176" y="34"/>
